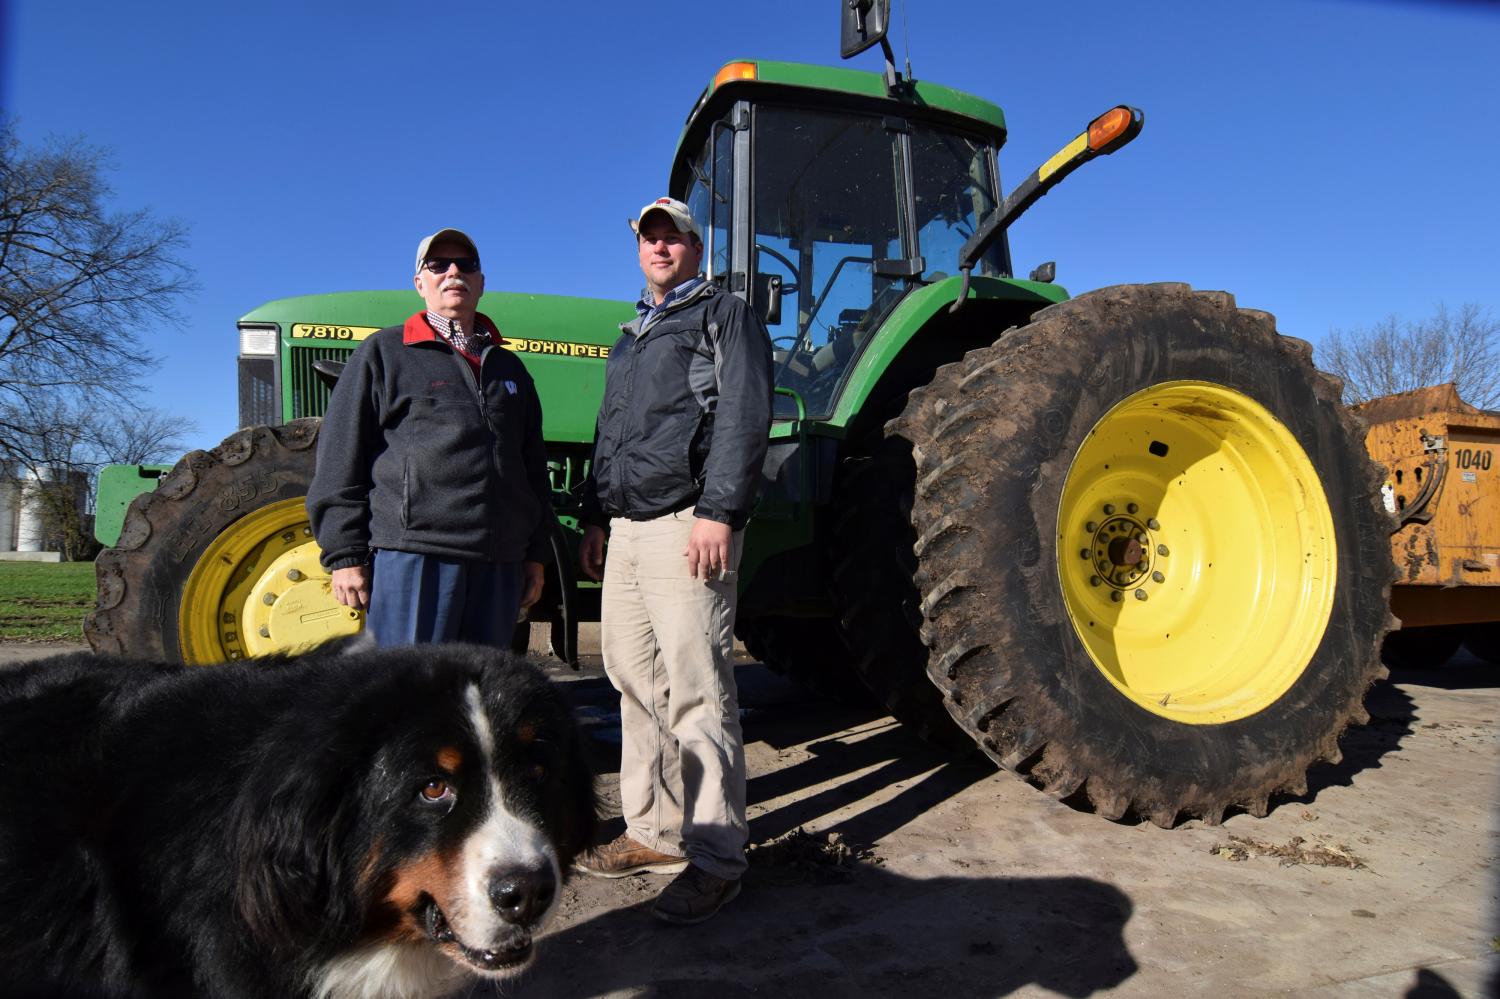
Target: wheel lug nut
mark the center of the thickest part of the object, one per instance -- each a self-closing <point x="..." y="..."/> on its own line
<point x="1162" y="550"/>
<point x="1131" y="508"/>
<point x="1109" y="508"/>
<point x="1091" y="527"/>
<point x="1095" y="580"/>
<point x="1140" y="594"/>
<point x="265" y="631"/>
<point x="1143" y="565"/>
<point x="1083" y="553"/>
<point x="1152" y="524"/>
<point x="269" y="598"/>
<point x="1142" y="537"/>
<point x="295" y="575"/>
<point x="1158" y="577"/>
<point x="1115" y="596"/>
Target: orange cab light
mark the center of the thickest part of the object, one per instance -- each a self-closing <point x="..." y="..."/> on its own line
<point x="1109" y="126"/>
<point x="734" y="71"/>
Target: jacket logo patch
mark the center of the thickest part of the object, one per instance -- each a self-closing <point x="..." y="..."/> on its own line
<point x="510" y="387"/>
<point x="438" y="384"/>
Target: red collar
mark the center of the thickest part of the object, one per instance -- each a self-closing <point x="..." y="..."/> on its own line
<point x="417" y="329"/>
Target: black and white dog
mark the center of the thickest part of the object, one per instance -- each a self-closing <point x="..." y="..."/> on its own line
<point x="374" y="823"/>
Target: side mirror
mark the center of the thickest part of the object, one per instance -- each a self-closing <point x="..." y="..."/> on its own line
<point x="863" y="23"/>
<point x="766" y="298"/>
<point x="1046" y="273"/>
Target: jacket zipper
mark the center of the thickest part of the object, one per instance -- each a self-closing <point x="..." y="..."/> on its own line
<point x="476" y="382"/>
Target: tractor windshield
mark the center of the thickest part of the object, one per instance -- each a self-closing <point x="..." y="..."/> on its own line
<point x="851" y="211"/>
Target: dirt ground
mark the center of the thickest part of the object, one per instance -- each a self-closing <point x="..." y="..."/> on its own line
<point x="883" y="868"/>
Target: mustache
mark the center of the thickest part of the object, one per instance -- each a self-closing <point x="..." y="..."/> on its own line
<point x="454" y="282"/>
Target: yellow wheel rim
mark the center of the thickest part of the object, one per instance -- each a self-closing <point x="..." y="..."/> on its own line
<point x="258" y="589"/>
<point x="1196" y="552"/>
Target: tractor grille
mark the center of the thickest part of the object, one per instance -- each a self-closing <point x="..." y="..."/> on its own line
<point x="309" y="394"/>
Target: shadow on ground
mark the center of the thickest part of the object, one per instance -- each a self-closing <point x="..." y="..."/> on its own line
<point x="875" y="934"/>
<point x="1392" y="714"/>
<point x="819" y="914"/>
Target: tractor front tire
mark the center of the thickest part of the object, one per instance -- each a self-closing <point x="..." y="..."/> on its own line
<point x="1153" y="560"/>
<point x="807" y="650"/>
<point x="219" y="562"/>
<point x="880" y="618"/>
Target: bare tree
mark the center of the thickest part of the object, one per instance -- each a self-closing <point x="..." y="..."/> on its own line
<point x="144" y="437"/>
<point x="1396" y="355"/>
<point x="62" y="447"/>
<point x="82" y="291"/>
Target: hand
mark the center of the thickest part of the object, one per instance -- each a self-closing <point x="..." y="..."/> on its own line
<point x="351" y="586"/>
<point x="708" y="549"/>
<point x="533" y="575"/>
<point x="591" y="552"/>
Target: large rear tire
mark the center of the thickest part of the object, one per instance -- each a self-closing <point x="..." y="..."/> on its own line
<point x="219" y="562"/>
<point x="1153" y="558"/>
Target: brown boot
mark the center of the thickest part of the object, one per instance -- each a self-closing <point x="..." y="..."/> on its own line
<point x="693" y="896"/>
<point x="623" y="856"/>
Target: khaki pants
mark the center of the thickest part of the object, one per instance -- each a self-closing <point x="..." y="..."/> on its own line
<point x="668" y="645"/>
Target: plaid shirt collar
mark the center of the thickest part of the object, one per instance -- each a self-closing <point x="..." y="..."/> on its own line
<point x="648" y="310"/>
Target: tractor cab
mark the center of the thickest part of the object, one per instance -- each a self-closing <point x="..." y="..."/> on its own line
<point x="826" y="199"/>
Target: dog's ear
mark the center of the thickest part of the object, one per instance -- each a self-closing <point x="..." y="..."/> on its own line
<point x="290" y="832"/>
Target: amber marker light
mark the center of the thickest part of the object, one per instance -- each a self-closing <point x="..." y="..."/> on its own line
<point x="1113" y="128"/>
<point x="734" y="71"/>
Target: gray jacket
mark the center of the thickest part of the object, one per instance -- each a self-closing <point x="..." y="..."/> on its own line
<point x="685" y="415"/>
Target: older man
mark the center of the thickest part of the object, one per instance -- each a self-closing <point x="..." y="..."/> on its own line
<point x="430" y="497"/>
<point x="677" y="455"/>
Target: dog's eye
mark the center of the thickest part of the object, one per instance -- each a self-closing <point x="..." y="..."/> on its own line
<point x="436" y="790"/>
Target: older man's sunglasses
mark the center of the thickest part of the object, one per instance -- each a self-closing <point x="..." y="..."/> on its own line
<point x="440" y="265"/>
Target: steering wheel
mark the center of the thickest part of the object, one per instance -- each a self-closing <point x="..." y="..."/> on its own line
<point x="817" y="303"/>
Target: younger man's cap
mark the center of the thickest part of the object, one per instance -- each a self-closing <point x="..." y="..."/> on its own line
<point x="682" y="218"/>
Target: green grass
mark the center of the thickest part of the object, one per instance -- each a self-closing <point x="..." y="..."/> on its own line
<point x="45" y="601"/>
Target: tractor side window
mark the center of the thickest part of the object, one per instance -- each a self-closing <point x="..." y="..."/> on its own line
<point x="954" y="190"/>
<point x="710" y="198"/>
<point x="826" y="208"/>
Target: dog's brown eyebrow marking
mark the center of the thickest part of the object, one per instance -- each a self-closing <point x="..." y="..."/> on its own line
<point x="449" y="758"/>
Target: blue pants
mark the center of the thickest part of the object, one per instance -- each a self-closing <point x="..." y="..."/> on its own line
<point x="422" y="599"/>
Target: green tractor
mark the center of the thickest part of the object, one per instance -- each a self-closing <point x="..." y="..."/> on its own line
<point x="1128" y="544"/>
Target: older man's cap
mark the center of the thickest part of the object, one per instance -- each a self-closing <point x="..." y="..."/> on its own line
<point x="681" y="216"/>
<point x="445" y="236"/>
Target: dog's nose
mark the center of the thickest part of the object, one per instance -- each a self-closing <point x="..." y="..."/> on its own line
<point x="521" y="896"/>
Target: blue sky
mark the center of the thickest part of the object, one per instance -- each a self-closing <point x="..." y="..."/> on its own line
<point x="1333" y="162"/>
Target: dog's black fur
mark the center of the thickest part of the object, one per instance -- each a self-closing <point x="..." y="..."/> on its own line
<point x="396" y="819"/>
